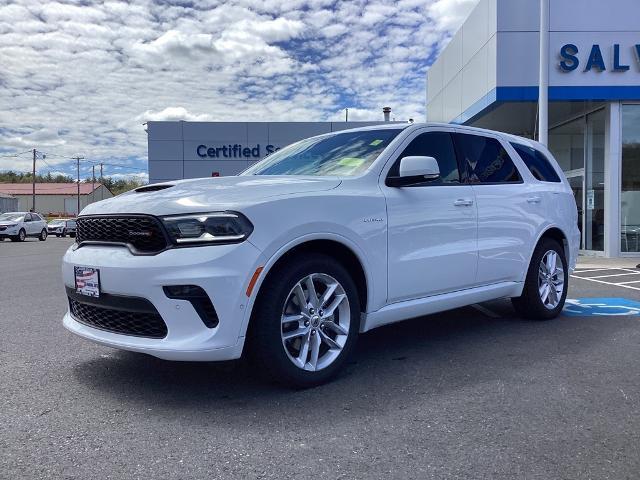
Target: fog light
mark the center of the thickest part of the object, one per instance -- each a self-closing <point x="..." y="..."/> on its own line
<point x="199" y="300"/>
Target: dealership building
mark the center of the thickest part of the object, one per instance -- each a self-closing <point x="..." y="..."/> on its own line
<point x="488" y="76"/>
<point x="204" y="149"/>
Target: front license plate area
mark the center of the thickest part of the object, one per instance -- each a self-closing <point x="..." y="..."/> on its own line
<point x="87" y="281"/>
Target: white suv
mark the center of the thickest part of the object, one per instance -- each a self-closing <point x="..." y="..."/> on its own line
<point x="324" y="239"/>
<point x="19" y="225"/>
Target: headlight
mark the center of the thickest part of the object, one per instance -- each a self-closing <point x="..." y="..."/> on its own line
<point x="206" y="228"/>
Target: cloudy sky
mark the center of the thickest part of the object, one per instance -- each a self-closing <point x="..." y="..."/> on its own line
<point x="81" y="78"/>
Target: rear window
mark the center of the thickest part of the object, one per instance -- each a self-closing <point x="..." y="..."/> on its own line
<point x="537" y="163"/>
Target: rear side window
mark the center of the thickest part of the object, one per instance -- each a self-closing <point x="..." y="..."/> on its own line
<point x="537" y="163"/>
<point x="485" y="160"/>
<point x="438" y="145"/>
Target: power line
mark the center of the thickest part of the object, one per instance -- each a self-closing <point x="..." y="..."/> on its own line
<point x="14" y="155"/>
<point x="120" y="165"/>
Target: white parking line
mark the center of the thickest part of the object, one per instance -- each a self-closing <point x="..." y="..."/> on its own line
<point x="591" y="270"/>
<point x="627" y="283"/>
<point x="485" y="310"/>
<point x="614" y="275"/>
<point x="621" y="285"/>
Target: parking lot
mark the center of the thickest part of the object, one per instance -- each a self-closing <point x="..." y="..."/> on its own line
<point x="472" y="393"/>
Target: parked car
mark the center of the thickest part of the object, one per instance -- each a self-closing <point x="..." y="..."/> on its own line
<point x="326" y="238"/>
<point x="19" y="225"/>
<point x="61" y="227"/>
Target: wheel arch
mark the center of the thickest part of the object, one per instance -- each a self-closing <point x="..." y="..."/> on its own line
<point x="335" y="246"/>
<point x="555" y="233"/>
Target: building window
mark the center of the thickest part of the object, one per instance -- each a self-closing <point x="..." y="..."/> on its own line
<point x="594" y="182"/>
<point x="578" y="146"/>
<point x="630" y="195"/>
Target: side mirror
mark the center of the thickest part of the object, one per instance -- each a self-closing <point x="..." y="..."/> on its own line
<point x="414" y="170"/>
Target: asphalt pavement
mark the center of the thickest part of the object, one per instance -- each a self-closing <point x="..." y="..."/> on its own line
<point x="471" y="393"/>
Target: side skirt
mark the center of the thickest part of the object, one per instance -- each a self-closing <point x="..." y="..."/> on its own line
<point x="397" y="312"/>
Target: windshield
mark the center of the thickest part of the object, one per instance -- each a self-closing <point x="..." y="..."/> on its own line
<point x="342" y="154"/>
<point x="56" y="222"/>
<point x="11" y="217"/>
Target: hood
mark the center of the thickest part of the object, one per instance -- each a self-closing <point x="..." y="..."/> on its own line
<point x="209" y="194"/>
<point x="4" y="223"/>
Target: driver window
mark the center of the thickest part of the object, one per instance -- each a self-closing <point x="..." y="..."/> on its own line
<point x="438" y="145"/>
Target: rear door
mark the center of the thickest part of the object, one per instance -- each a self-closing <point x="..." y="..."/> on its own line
<point x="507" y="223"/>
<point x="432" y="226"/>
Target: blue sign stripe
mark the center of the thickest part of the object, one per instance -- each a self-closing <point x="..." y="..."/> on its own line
<point x="501" y="95"/>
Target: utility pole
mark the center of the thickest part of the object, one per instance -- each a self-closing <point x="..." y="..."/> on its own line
<point x="93" y="183"/>
<point x="101" y="183"/>
<point x="78" y="170"/>
<point x="346" y="114"/>
<point x="33" y="183"/>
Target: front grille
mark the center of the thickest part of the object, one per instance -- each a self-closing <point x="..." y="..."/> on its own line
<point x="144" y="233"/>
<point x="139" y="324"/>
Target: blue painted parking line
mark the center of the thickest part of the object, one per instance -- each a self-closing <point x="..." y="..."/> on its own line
<point x="586" y="307"/>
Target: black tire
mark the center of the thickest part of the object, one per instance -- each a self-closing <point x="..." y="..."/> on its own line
<point x="529" y="304"/>
<point x="43" y="235"/>
<point x="57" y="235"/>
<point x="72" y="235"/>
<point x="22" y="235"/>
<point x="64" y="233"/>
<point x="265" y="344"/>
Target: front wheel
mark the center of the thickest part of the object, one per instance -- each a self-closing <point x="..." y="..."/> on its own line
<point x="306" y="321"/>
<point x="20" y="237"/>
<point x="545" y="287"/>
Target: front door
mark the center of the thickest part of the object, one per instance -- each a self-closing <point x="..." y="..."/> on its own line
<point x="28" y="224"/>
<point x="432" y="227"/>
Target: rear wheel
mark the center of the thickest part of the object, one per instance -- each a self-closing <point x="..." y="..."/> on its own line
<point x="64" y="233"/>
<point x="545" y="288"/>
<point x="306" y="321"/>
<point x="43" y="235"/>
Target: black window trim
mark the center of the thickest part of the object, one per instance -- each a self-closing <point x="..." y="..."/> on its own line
<point x="395" y="156"/>
<point x="464" y="172"/>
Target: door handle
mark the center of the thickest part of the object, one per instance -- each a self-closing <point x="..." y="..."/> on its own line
<point x="463" y="202"/>
<point x="534" y="199"/>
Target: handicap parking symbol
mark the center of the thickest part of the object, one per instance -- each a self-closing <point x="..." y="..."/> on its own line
<point x="587" y="307"/>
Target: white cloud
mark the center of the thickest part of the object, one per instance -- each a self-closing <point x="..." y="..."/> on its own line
<point x="173" y="113"/>
<point x="82" y="78"/>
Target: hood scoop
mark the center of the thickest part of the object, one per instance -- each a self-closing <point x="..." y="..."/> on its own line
<point x="152" y="188"/>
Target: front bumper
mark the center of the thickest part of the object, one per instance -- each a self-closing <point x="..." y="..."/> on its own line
<point x="9" y="233"/>
<point x="223" y="271"/>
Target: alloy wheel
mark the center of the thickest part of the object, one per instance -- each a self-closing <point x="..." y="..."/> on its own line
<point x="315" y="322"/>
<point x="550" y="279"/>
